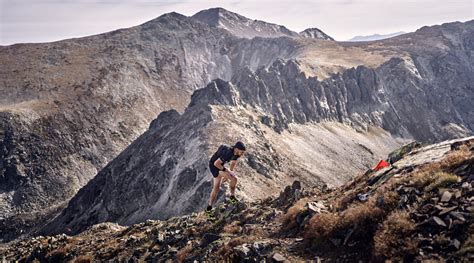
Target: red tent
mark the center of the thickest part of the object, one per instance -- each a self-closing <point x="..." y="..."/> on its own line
<point x="381" y="165"/>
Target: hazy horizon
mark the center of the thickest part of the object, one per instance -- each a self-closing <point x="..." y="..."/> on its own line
<point x="27" y="21"/>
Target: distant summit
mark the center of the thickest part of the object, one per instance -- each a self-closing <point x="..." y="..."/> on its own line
<point x="241" y="26"/>
<point x="244" y="27"/>
<point x="315" y="33"/>
<point x="375" y="37"/>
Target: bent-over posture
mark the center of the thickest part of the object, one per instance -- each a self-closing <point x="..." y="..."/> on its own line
<point x="223" y="155"/>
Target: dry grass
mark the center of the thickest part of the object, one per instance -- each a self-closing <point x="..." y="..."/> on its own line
<point x="59" y="254"/>
<point x="457" y="157"/>
<point x="184" y="252"/>
<point x="84" y="259"/>
<point x="362" y="217"/>
<point x="369" y="220"/>
<point x="442" y="179"/>
<point x="233" y="228"/>
<point x="387" y="200"/>
<point x="288" y="220"/>
<point x="392" y="239"/>
<point x="226" y="250"/>
<point x="346" y="200"/>
<point x="321" y="226"/>
<point x="432" y="177"/>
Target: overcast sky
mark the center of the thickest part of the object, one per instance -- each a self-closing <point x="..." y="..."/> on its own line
<point x="49" y="20"/>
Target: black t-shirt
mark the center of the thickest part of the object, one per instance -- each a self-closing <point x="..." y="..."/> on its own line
<point x="225" y="153"/>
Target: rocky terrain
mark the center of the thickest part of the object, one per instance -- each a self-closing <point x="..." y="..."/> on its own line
<point x="419" y="208"/>
<point x="68" y="108"/>
<point x="260" y="108"/>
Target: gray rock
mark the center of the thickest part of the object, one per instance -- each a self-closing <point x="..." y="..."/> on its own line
<point x="436" y="221"/>
<point x="458" y="216"/>
<point x="262" y="247"/>
<point x="316" y="207"/>
<point x="209" y="238"/>
<point x="446" y="196"/>
<point x="455" y="243"/>
<point x="242" y="250"/>
<point x="277" y="257"/>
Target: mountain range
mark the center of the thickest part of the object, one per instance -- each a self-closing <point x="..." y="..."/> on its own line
<point x="119" y="126"/>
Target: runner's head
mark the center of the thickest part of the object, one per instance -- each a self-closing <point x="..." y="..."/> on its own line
<point x="239" y="148"/>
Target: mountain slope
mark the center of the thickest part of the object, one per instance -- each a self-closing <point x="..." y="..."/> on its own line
<point x="172" y="178"/>
<point x="269" y="102"/>
<point x="69" y="107"/>
<point x="418" y="209"/>
<point x="259" y="107"/>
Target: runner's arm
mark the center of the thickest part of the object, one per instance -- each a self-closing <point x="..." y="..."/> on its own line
<point x="232" y="164"/>
<point x="218" y="164"/>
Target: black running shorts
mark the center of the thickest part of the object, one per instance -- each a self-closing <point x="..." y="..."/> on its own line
<point x="214" y="170"/>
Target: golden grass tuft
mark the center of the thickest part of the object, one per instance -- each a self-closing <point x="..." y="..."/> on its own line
<point x="233" y="228"/>
<point x="442" y="179"/>
<point x="184" y="252"/>
<point x="391" y="240"/>
<point x="390" y="199"/>
<point x="321" y="226"/>
<point x="289" y="218"/>
<point x="457" y="157"/>
<point x="84" y="259"/>
<point x="361" y="216"/>
<point x="432" y="177"/>
<point x="226" y="250"/>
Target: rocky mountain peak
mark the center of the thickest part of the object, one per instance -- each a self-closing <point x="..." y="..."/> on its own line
<point x="213" y="16"/>
<point x="315" y="33"/>
<point x="241" y="26"/>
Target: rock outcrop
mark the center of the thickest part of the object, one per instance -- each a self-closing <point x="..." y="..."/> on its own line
<point x="315" y="33"/>
<point x="420" y="209"/>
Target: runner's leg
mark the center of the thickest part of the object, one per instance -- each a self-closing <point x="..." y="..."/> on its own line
<point x="232" y="181"/>
<point x="216" y="184"/>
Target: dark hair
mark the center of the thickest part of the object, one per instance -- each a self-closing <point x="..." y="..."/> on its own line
<point x="239" y="145"/>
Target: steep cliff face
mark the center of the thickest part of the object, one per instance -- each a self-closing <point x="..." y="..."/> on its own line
<point x="387" y="97"/>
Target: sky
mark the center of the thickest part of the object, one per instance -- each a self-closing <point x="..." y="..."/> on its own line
<point x="32" y="21"/>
